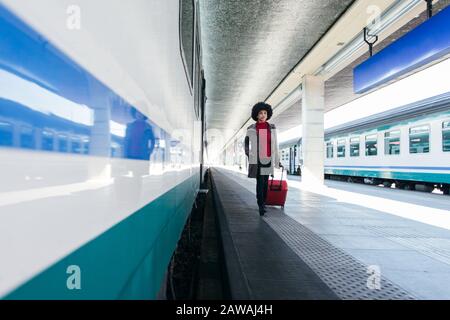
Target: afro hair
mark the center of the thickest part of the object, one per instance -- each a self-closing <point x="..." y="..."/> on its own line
<point x="261" y="106"/>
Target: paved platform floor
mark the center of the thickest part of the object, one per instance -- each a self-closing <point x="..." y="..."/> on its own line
<point x="358" y="241"/>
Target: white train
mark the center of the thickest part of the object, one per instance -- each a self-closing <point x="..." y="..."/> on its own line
<point x="407" y="146"/>
<point x="291" y="156"/>
<point x="101" y="121"/>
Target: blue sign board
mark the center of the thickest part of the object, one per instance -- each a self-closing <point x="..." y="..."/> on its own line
<point x="424" y="44"/>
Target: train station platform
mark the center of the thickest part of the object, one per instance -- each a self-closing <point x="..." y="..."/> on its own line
<point x="323" y="247"/>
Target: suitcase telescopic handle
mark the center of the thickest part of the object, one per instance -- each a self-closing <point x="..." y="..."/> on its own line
<point x="281" y="180"/>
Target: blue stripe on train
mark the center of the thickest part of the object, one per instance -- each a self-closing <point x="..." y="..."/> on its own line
<point x="36" y="122"/>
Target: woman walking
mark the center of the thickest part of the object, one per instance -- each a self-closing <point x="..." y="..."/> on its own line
<point x="261" y="148"/>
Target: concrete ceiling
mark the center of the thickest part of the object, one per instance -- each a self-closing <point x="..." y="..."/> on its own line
<point x="290" y="118"/>
<point x="250" y="46"/>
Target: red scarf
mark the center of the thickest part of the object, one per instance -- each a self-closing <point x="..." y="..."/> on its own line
<point x="264" y="125"/>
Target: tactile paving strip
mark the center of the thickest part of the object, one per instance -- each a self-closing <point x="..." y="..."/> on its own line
<point x="345" y="275"/>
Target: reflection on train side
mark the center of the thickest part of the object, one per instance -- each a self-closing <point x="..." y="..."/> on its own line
<point x="61" y="126"/>
<point x="138" y="143"/>
<point x="36" y="128"/>
<point x="136" y="140"/>
<point x="90" y="120"/>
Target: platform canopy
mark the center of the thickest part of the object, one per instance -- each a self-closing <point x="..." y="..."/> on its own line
<point x="250" y="46"/>
<point x="259" y="50"/>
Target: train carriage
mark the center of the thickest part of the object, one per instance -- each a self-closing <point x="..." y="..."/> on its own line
<point x="406" y="147"/>
<point x="98" y="170"/>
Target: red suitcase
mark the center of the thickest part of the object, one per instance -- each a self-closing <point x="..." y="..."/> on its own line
<point x="277" y="192"/>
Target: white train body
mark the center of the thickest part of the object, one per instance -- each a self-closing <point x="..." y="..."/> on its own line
<point x="411" y="151"/>
<point x="412" y="147"/>
<point x="100" y="140"/>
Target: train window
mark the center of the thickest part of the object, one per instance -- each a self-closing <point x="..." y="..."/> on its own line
<point x="446" y="136"/>
<point x="76" y="145"/>
<point x="354" y="147"/>
<point x="330" y="149"/>
<point x="63" y="143"/>
<point x="47" y="141"/>
<point x="419" y="139"/>
<point x="187" y="11"/>
<point x="371" y="145"/>
<point x="115" y="150"/>
<point x="27" y="137"/>
<point x="341" y="148"/>
<point x="392" y="142"/>
<point x="85" y="149"/>
<point x="6" y="134"/>
<point x="198" y="76"/>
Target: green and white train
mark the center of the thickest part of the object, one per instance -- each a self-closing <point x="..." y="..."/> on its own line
<point x="100" y="145"/>
<point x="407" y="146"/>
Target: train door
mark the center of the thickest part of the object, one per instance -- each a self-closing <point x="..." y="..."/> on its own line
<point x="292" y="156"/>
<point x="295" y="160"/>
<point x="203" y="125"/>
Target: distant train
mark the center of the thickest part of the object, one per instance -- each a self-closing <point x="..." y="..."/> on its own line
<point x="98" y="171"/>
<point x="291" y="157"/>
<point x="407" y="146"/>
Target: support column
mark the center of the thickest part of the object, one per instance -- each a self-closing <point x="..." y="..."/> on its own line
<point x="313" y="104"/>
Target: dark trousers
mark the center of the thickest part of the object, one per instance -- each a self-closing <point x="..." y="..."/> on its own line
<point x="261" y="187"/>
